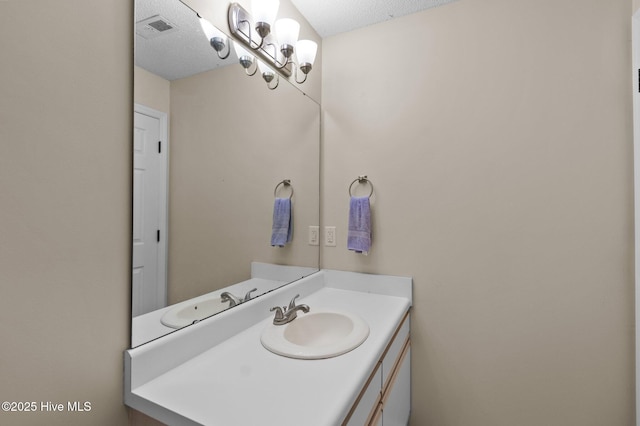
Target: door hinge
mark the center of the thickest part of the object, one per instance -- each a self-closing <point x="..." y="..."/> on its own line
<point x="158" y="236"/>
<point x="159" y="147"/>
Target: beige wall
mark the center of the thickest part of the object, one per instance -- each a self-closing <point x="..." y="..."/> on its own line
<point x="151" y="90"/>
<point x="497" y="134"/>
<point x="65" y="184"/>
<point x="502" y="164"/>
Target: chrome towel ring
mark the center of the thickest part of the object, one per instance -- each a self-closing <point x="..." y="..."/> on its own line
<point x="361" y="180"/>
<point x="286" y="182"/>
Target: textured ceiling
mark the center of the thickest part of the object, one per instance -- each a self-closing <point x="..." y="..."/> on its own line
<point x="180" y="52"/>
<point x="330" y="17"/>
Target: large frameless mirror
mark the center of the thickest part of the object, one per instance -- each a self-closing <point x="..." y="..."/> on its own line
<point x="212" y="148"/>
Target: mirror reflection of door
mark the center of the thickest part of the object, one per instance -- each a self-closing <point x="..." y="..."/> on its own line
<point x="149" y="287"/>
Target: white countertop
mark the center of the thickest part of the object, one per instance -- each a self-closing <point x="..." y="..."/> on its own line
<point x="239" y="382"/>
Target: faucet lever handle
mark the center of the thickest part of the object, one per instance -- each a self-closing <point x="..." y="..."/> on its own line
<point x="292" y="303"/>
<point x="279" y="313"/>
<point x="248" y="295"/>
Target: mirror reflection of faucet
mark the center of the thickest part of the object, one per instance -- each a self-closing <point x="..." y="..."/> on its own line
<point x="247" y="296"/>
<point x="285" y="315"/>
<point x="234" y="300"/>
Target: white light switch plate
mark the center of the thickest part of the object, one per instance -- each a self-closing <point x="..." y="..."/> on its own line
<point x="330" y="236"/>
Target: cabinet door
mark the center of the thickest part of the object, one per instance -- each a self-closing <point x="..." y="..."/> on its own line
<point x="377" y="416"/>
<point x="393" y="366"/>
<point x="368" y="400"/>
<point x="394" y="351"/>
<point x="397" y="404"/>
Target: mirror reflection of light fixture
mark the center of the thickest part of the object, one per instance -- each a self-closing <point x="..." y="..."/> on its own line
<point x="268" y="75"/>
<point x="245" y="59"/>
<point x="216" y="38"/>
<point x="276" y="48"/>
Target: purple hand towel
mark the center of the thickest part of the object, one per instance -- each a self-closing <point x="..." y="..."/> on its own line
<point x="281" y="232"/>
<point x="359" y="234"/>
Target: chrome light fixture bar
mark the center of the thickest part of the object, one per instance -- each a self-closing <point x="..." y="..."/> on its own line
<point x="264" y="43"/>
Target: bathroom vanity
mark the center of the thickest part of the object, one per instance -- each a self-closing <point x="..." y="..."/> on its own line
<point x="217" y="372"/>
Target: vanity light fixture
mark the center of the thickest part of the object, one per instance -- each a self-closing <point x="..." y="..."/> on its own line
<point x="216" y="38"/>
<point x="306" y="52"/>
<point x="265" y="12"/>
<point x="276" y="48"/>
<point x="287" y="32"/>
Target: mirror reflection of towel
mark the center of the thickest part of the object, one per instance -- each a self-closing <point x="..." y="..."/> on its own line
<point x="359" y="233"/>
<point x="281" y="232"/>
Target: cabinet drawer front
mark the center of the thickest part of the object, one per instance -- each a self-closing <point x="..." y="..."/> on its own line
<point x="393" y="351"/>
<point x="367" y="409"/>
<point x="397" y="400"/>
<point x="376" y="420"/>
<point x="369" y="399"/>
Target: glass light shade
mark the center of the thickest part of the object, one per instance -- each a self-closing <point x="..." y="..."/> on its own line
<point x="265" y="10"/>
<point x="287" y="31"/>
<point x="306" y="51"/>
<point x="208" y="29"/>
<point x="241" y="51"/>
<point x="245" y="59"/>
<point x="264" y="68"/>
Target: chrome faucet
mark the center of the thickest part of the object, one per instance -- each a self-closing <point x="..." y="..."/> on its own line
<point x="234" y="300"/>
<point x="285" y="314"/>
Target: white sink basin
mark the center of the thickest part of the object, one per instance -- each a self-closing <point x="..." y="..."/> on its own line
<point x="189" y="312"/>
<point x="317" y="334"/>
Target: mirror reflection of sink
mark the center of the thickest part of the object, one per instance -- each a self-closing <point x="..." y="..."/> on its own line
<point x="189" y="312"/>
<point x="316" y="335"/>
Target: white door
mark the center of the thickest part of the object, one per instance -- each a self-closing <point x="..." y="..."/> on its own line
<point x="149" y="287"/>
